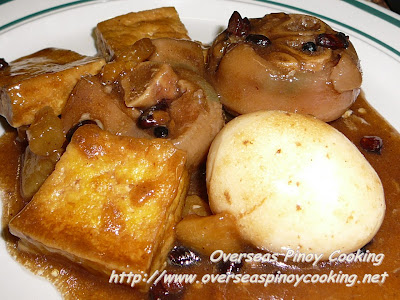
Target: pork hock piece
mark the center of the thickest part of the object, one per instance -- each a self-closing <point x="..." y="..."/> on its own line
<point x="154" y="83"/>
<point x="115" y="35"/>
<point x="90" y="100"/>
<point x="111" y="203"/>
<point x="190" y="119"/>
<point x="289" y="62"/>
<point x="44" y="78"/>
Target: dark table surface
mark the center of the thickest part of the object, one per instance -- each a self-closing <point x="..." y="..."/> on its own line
<point x="393" y="5"/>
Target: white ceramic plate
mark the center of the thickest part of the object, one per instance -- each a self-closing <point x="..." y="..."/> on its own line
<point x="28" y="26"/>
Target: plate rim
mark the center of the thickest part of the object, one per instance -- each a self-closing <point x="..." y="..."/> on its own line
<point x="357" y="4"/>
<point x="75" y="4"/>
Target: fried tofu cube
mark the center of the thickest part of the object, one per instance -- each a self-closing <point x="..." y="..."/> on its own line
<point x="111" y="203"/>
<point x="44" y="78"/>
<point x="115" y="34"/>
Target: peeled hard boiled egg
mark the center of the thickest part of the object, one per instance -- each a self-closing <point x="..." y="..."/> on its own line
<point x="294" y="182"/>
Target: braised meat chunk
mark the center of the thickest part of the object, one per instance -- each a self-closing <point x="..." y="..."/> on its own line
<point x="153" y="84"/>
<point x="90" y="100"/>
<point x="286" y="62"/>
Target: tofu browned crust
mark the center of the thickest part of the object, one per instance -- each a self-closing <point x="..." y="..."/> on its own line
<point x="44" y="78"/>
<point x="111" y="203"/>
<point x="115" y="34"/>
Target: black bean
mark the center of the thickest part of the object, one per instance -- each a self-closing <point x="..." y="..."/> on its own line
<point x="229" y="267"/>
<point x="309" y="47"/>
<point x="332" y="41"/>
<point x="372" y="144"/>
<point x="237" y="25"/>
<point x="258" y="39"/>
<point x="344" y="38"/>
<point x="146" y="119"/>
<point x="161" y="105"/>
<point x="72" y="130"/>
<point x="166" y="290"/>
<point x="183" y="257"/>
<point x="161" y="132"/>
<point x="3" y="64"/>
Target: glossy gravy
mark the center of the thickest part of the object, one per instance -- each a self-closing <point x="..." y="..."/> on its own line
<point x="74" y="282"/>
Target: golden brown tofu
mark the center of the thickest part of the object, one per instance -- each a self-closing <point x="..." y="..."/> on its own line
<point x="115" y="34"/>
<point x="44" y="78"/>
<point x="111" y="203"/>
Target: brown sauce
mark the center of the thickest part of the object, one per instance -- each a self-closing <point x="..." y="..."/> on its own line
<point x="74" y="282"/>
